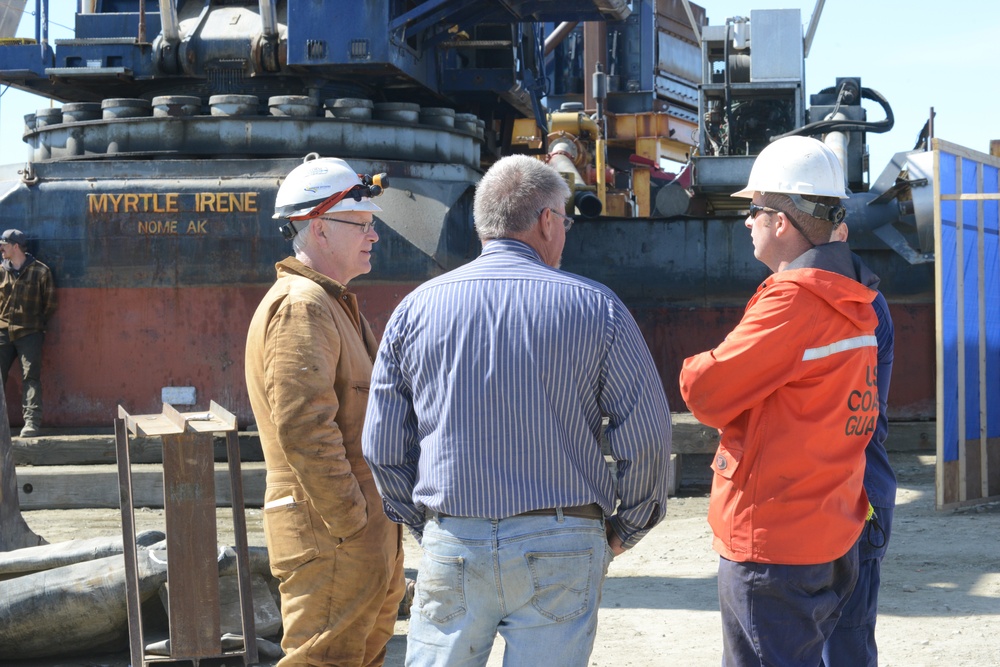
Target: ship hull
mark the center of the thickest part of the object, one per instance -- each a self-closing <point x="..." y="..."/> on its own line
<point x="160" y="265"/>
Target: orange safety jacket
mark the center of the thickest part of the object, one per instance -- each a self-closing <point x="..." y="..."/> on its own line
<point x="793" y="391"/>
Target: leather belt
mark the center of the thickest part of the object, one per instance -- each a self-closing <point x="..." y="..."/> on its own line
<point x="591" y="511"/>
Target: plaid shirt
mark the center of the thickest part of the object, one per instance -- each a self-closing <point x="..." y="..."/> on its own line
<point x="27" y="297"/>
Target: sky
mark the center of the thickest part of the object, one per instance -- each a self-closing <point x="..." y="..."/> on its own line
<point x="920" y="54"/>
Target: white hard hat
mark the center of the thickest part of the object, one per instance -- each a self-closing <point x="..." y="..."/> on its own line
<point x="796" y="166"/>
<point x="317" y="182"/>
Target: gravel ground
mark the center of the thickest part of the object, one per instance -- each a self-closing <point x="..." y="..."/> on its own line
<point x="940" y="601"/>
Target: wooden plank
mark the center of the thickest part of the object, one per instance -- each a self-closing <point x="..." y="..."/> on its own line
<point x="949" y="487"/>
<point x="978" y="491"/>
<point x="974" y="477"/>
<point x="993" y="467"/>
<point x="973" y="485"/>
<point x="939" y="347"/>
<point x="981" y="339"/>
<point x="963" y="464"/>
<point x="911" y="436"/>
<point x="964" y="151"/>
<point x="100" y="449"/>
<point x="972" y="196"/>
<point x="79" y="487"/>
<point x="692" y="437"/>
<point x="73" y="487"/>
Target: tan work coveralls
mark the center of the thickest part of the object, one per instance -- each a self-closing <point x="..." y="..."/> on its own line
<point x="338" y="558"/>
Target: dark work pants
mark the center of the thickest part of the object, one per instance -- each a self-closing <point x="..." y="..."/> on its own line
<point x="852" y="643"/>
<point x="782" y="615"/>
<point x="29" y="350"/>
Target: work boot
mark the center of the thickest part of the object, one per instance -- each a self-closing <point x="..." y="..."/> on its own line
<point x="30" y="430"/>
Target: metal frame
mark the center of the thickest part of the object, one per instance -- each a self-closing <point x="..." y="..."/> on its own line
<point x="967" y="316"/>
<point x="189" y="508"/>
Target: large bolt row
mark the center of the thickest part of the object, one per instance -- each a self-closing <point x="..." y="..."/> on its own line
<point x="300" y="106"/>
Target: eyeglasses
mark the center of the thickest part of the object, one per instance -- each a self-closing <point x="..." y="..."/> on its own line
<point x="755" y="209"/>
<point x="365" y="226"/>
<point x="567" y="221"/>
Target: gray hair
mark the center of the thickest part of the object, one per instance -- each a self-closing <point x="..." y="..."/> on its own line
<point x="513" y="192"/>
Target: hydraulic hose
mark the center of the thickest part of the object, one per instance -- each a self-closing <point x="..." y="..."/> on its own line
<point x="835" y="125"/>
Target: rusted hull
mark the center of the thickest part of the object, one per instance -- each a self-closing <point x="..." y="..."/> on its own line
<point x="123" y="346"/>
<point x="109" y="347"/>
<point x="160" y="265"/>
<point x="676" y="333"/>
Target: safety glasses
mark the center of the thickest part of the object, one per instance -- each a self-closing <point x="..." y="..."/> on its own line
<point x="365" y="226"/>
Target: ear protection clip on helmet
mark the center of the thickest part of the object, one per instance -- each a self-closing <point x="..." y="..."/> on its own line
<point x="834" y="214"/>
<point x="370" y="186"/>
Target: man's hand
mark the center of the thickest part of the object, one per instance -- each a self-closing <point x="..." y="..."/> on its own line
<point x="614" y="541"/>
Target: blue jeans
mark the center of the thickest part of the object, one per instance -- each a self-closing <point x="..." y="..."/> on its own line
<point x="852" y="643"/>
<point x="535" y="579"/>
<point x="782" y="615"/>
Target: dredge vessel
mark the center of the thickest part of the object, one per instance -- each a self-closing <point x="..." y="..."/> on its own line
<point x="151" y="179"/>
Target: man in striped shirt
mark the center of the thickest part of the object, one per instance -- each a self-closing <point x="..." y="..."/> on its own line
<point x="484" y="428"/>
<point x="793" y="389"/>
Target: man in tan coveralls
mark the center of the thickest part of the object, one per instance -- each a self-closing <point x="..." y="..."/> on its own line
<point x="309" y="357"/>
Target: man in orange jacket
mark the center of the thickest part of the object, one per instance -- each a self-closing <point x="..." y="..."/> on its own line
<point x="793" y="391"/>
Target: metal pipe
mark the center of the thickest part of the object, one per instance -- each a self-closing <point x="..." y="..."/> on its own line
<point x="811" y="31"/>
<point x="600" y="86"/>
<point x="574" y="123"/>
<point x="169" y="23"/>
<point x="838" y="143"/>
<point x="694" y="24"/>
<point x="142" y="21"/>
<point x="268" y="18"/>
<point x="42" y="26"/>
<point x="554" y="39"/>
<point x="562" y="156"/>
<point x="601" y="164"/>
<point x="728" y="87"/>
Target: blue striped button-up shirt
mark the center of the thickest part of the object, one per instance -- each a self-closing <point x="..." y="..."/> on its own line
<point x="488" y="395"/>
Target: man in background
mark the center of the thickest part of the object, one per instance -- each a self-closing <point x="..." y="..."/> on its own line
<point x="853" y="640"/>
<point x="27" y="302"/>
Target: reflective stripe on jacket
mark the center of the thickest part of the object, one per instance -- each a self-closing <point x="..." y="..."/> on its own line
<point x="793" y="390"/>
